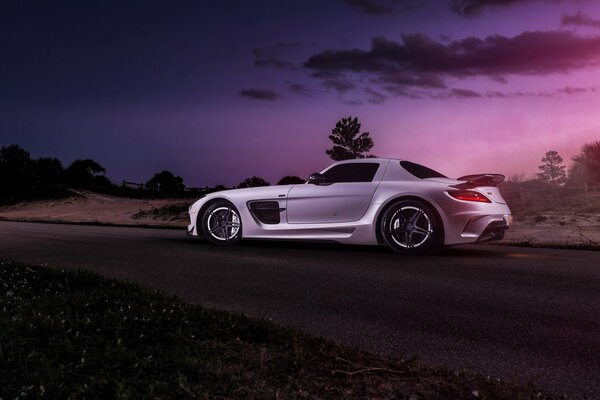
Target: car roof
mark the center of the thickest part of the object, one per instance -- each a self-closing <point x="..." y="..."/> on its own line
<point x="366" y="160"/>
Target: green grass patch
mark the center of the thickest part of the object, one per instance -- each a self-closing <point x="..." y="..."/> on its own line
<point x="75" y="334"/>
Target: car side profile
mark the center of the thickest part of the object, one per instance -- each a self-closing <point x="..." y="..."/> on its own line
<point x="406" y="206"/>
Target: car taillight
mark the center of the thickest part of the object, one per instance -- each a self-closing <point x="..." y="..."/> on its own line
<point x="469" y="195"/>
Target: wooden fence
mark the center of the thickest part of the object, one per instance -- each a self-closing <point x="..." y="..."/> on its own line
<point x="153" y="188"/>
<point x="548" y="198"/>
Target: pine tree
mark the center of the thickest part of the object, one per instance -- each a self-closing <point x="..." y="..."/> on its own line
<point x="552" y="169"/>
<point x="346" y="144"/>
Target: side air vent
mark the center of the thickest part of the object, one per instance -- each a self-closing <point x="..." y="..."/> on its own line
<point x="267" y="212"/>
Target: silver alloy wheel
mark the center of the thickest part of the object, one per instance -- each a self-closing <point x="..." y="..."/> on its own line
<point x="410" y="227"/>
<point x="223" y="223"/>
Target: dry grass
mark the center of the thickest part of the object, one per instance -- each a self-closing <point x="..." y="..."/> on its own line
<point x="548" y="221"/>
<point x="89" y="207"/>
<point x="556" y="221"/>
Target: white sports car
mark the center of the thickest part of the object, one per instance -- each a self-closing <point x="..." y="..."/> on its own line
<point x="411" y="208"/>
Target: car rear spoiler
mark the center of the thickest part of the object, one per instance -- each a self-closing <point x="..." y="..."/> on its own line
<point x="476" y="180"/>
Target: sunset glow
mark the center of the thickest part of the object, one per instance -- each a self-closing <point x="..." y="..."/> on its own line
<point x="220" y="91"/>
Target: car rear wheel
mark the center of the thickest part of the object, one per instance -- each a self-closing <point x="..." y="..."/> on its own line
<point x="221" y="224"/>
<point x="411" y="227"/>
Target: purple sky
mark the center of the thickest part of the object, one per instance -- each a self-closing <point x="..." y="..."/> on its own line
<point x="219" y="91"/>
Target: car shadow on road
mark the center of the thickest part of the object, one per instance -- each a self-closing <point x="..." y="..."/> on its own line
<point x="288" y="244"/>
<point x="328" y="246"/>
<point x="470" y="251"/>
<point x="475" y="251"/>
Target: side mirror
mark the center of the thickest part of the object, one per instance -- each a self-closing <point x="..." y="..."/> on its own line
<point x="317" y="179"/>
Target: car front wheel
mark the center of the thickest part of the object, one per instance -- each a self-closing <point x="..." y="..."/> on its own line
<point x="411" y="227"/>
<point x="221" y="224"/>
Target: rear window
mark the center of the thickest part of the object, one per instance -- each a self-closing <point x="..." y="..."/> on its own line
<point x="420" y="171"/>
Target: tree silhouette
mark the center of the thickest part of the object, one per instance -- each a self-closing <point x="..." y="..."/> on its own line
<point x="585" y="166"/>
<point x="552" y="170"/>
<point x="85" y="173"/>
<point x="290" y="180"/>
<point x="516" y="178"/>
<point x="17" y="175"/>
<point x="346" y="144"/>
<point x="49" y="172"/>
<point x="166" y="182"/>
<point x="254" y="181"/>
<point x="22" y="178"/>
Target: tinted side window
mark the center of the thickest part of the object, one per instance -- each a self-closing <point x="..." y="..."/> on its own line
<point x="358" y="172"/>
<point x="420" y="171"/>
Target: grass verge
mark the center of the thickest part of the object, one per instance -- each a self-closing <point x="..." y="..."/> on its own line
<point x="96" y="223"/>
<point x="76" y="334"/>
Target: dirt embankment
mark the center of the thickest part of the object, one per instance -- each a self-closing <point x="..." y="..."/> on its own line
<point x="561" y="228"/>
<point x="555" y="229"/>
<point x="89" y="207"/>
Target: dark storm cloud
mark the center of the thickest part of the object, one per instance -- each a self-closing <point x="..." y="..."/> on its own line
<point x="375" y="97"/>
<point x="579" y="19"/>
<point x="421" y="62"/>
<point x="325" y="74"/>
<point x="401" y="78"/>
<point x="475" y="7"/>
<point x="260" y="94"/>
<point x="564" y="91"/>
<point x="372" y="7"/>
<point x="574" y="90"/>
<point x="382" y="7"/>
<point x="455" y="93"/>
<point x="341" y="85"/>
<point x="460" y="93"/>
<point x="464" y="93"/>
<point x="299" y="89"/>
<point x="272" y="56"/>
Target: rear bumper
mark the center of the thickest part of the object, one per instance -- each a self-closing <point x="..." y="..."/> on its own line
<point x="494" y="231"/>
<point x="467" y="222"/>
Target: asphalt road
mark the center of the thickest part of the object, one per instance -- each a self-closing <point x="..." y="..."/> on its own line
<point x="504" y="311"/>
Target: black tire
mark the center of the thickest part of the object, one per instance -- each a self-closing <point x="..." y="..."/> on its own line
<point x="221" y="224"/>
<point x="411" y="227"/>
